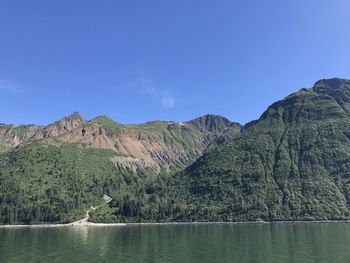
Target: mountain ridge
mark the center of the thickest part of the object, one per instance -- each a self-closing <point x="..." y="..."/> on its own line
<point x="292" y="163"/>
<point x="149" y="145"/>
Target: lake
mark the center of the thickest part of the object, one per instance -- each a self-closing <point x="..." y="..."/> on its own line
<point x="280" y="242"/>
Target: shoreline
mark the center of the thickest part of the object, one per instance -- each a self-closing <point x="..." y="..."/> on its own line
<point x="91" y="224"/>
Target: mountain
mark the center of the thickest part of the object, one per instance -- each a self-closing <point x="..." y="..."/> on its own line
<point x="154" y="145"/>
<point x="52" y="173"/>
<point x="60" y="127"/>
<point x="293" y="163"/>
<point x="14" y="135"/>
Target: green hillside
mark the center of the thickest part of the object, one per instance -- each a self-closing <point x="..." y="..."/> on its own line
<point x="293" y="163"/>
<point x="59" y="171"/>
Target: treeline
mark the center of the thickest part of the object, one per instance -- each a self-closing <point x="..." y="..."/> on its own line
<point x="291" y="164"/>
<point x="44" y="183"/>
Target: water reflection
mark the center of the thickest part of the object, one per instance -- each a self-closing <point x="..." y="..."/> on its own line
<point x="179" y="243"/>
<point x="80" y="233"/>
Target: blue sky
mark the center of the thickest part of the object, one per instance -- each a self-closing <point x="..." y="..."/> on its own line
<point x="138" y="61"/>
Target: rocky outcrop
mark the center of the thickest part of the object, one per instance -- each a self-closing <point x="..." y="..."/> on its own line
<point x="154" y="145"/>
<point x="63" y="126"/>
<point x="14" y="135"/>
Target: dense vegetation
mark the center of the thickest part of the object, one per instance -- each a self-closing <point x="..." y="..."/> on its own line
<point x="43" y="183"/>
<point x="291" y="164"/>
<point x="58" y="173"/>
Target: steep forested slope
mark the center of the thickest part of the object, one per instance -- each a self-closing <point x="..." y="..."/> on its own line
<point x="292" y="163"/>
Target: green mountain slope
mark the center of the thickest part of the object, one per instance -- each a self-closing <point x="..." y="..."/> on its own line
<point x="291" y="164"/>
<point x="60" y="170"/>
<point x="45" y="183"/>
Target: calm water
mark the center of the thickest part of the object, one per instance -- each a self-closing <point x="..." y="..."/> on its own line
<point x="179" y="243"/>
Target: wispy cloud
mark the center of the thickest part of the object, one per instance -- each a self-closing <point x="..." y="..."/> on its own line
<point x="142" y="84"/>
<point x="6" y="85"/>
<point x="164" y="98"/>
<point x="168" y="102"/>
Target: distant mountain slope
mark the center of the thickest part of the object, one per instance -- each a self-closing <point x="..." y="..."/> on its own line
<point x="14" y="135"/>
<point x="50" y="174"/>
<point x="152" y="145"/>
<point x="60" y="127"/>
<point x="293" y="163"/>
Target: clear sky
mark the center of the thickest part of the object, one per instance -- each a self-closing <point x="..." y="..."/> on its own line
<point x="138" y="61"/>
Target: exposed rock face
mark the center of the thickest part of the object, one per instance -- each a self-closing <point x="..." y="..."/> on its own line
<point x="293" y="163"/>
<point x="13" y="135"/>
<point x="63" y="126"/>
<point x="127" y="163"/>
<point x="91" y="135"/>
<point x="152" y="145"/>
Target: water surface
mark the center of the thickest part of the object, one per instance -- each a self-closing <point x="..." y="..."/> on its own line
<point x="313" y="242"/>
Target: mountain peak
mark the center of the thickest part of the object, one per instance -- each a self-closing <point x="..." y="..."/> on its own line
<point x="108" y="123"/>
<point x="102" y="119"/>
<point x="211" y="122"/>
<point x="62" y="126"/>
<point x="75" y="116"/>
<point x="333" y="83"/>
